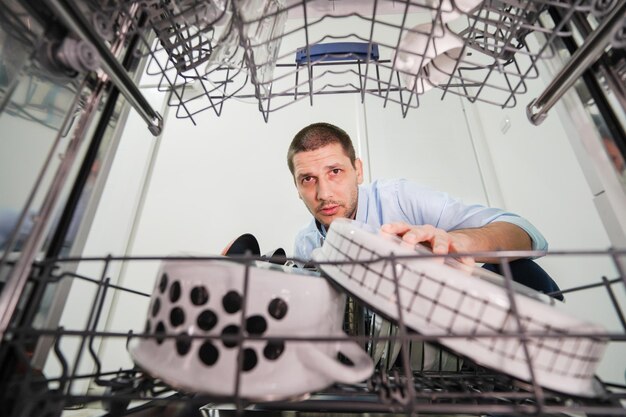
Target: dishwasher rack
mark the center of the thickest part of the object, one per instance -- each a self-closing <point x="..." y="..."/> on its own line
<point x="207" y="53"/>
<point x="204" y="53"/>
<point x="120" y="388"/>
<point x="497" y="32"/>
<point x="494" y="64"/>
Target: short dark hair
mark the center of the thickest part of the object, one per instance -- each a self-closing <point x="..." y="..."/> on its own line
<point x="318" y="135"/>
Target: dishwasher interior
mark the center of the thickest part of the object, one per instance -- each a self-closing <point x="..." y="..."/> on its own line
<point x="71" y="72"/>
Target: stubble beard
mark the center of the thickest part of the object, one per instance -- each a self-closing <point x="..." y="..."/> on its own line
<point x="350" y="209"/>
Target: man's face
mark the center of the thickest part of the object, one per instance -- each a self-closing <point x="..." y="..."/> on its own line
<point x="327" y="182"/>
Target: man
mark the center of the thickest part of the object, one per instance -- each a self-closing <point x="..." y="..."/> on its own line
<point x="328" y="177"/>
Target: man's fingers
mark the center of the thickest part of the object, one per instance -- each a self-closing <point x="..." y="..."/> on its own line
<point x="440" y="242"/>
<point x="465" y="260"/>
<point x="421" y="234"/>
<point x="398" y="228"/>
<point x="441" y="246"/>
<point x="411" y="238"/>
<point x="438" y="239"/>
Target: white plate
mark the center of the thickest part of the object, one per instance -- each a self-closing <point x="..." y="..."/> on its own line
<point x="428" y="357"/>
<point x="385" y="350"/>
<point x="441" y="300"/>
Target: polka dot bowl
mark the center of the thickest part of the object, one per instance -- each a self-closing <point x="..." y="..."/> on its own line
<point x="200" y="320"/>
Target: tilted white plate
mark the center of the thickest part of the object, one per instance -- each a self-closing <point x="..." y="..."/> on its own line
<point x="438" y="299"/>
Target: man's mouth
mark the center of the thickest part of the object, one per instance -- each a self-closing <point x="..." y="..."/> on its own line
<point x="330" y="210"/>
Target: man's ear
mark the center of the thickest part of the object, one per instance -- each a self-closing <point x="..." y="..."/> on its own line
<point x="358" y="165"/>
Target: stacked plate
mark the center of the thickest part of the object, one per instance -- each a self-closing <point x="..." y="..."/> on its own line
<point x="471" y="313"/>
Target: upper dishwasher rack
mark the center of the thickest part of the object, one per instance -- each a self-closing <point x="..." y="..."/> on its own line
<point x="273" y="53"/>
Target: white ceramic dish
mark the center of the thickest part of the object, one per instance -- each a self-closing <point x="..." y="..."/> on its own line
<point x="385" y="351"/>
<point x="439" y="70"/>
<point x="362" y="321"/>
<point x="427" y="51"/>
<point x="449" y="12"/>
<point x="422" y="356"/>
<point x="205" y="299"/>
<point x="317" y="8"/>
<point x="262" y="31"/>
<point x="441" y="300"/>
<point x="428" y="357"/>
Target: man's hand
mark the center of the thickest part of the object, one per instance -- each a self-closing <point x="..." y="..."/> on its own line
<point x="440" y="241"/>
<point x="494" y="236"/>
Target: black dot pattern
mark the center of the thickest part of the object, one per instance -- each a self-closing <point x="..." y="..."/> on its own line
<point x="208" y="353"/>
<point x="344" y="359"/>
<point x="256" y="325"/>
<point x="274" y="349"/>
<point x="230" y="331"/>
<point x="175" y="291"/>
<point x="277" y="308"/>
<point x="160" y="332"/>
<point x="249" y="359"/>
<point x="206" y="320"/>
<point x="199" y="295"/>
<point x="183" y="344"/>
<point x="156" y="306"/>
<point x="163" y="283"/>
<point x="231" y="302"/>
<point x="177" y="316"/>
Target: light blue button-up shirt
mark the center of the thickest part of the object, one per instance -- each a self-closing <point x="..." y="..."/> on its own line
<point x="389" y="201"/>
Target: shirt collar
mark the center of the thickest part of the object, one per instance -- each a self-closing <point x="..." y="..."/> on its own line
<point x="320" y="228"/>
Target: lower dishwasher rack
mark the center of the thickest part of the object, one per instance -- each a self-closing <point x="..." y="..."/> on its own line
<point x="83" y="375"/>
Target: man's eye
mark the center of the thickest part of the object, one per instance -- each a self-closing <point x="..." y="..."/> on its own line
<point x="336" y="171"/>
<point x="306" y="180"/>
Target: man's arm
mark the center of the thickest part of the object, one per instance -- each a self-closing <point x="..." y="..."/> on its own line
<point x="424" y="206"/>
<point x="495" y="236"/>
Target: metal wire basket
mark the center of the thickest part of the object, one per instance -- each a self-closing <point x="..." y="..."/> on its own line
<point x="118" y="386"/>
<point x="278" y="52"/>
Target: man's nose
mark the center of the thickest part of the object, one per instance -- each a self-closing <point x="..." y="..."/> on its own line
<point x="324" y="190"/>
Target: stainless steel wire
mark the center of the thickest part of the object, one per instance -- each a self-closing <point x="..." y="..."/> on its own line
<point x="496" y="58"/>
<point x="399" y="389"/>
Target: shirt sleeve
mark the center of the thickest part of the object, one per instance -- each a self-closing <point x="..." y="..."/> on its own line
<point x="426" y="206"/>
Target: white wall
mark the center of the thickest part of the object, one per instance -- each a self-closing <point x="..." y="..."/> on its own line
<point x="228" y="176"/>
<point x="431" y="146"/>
